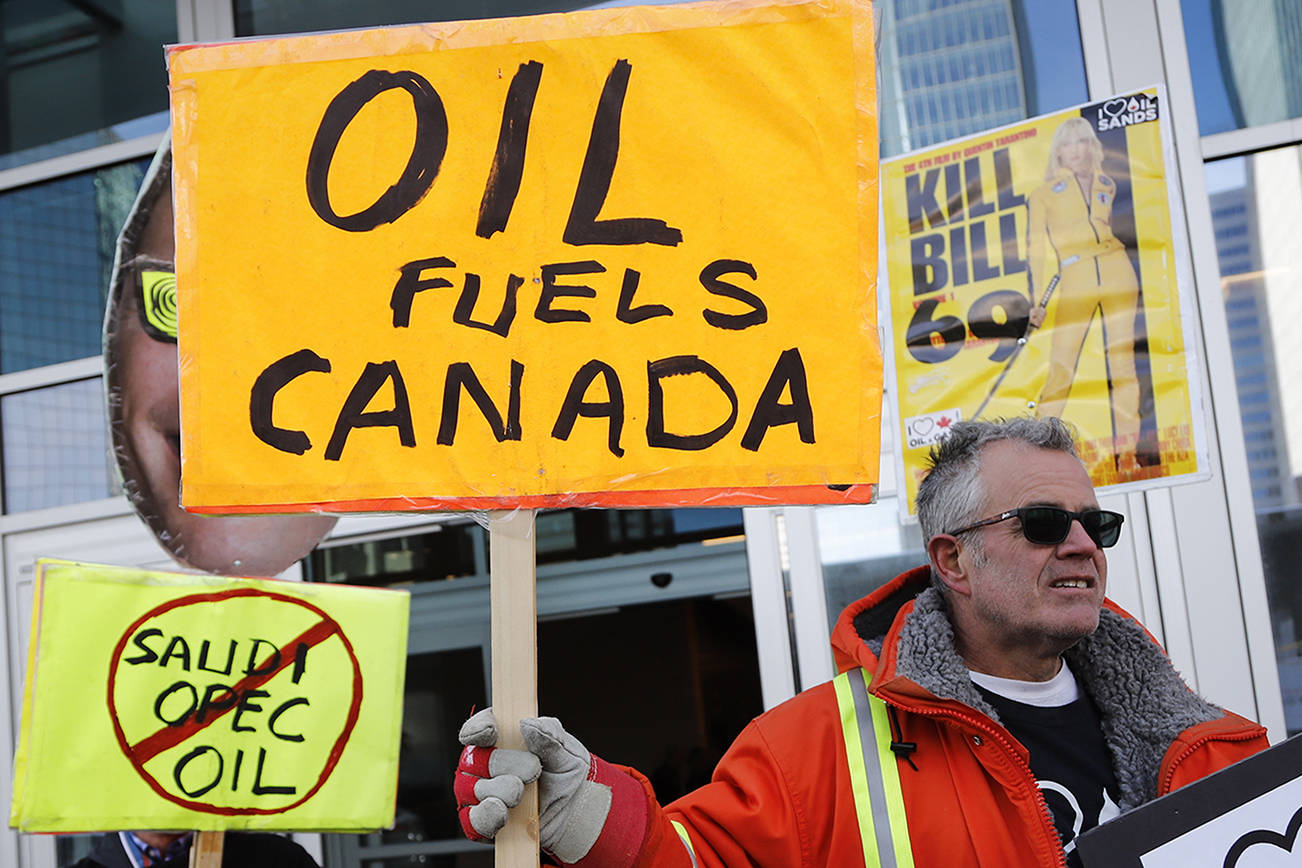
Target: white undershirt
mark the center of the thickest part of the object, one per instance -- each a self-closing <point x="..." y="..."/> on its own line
<point x="1059" y="690"/>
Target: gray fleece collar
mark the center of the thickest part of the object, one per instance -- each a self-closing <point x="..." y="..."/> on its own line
<point x="1143" y="702"/>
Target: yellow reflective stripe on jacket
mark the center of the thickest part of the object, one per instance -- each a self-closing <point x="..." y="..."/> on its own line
<point x="687" y="842"/>
<point x="874" y="774"/>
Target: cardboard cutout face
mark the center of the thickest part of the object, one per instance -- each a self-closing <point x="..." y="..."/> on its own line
<point x="144" y="406"/>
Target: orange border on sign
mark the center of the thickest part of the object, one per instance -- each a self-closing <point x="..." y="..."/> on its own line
<point x="778" y="495"/>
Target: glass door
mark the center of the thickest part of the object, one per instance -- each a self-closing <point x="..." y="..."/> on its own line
<point x="646" y="649"/>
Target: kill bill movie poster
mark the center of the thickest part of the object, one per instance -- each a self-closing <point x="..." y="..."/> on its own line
<point x="1033" y="271"/>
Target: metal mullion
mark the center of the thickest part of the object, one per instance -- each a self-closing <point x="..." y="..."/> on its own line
<point x="52" y="375"/>
<point x="1250" y="139"/>
<point x="81" y="161"/>
<point x="205" y="20"/>
<point x="66" y="515"/>
<point x="36" y="378"/>
<point x="768" y="599"/>
<point x="808" y="597"/>
<point x="1094" y="47"/>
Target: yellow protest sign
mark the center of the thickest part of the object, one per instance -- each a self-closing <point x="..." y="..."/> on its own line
<point x="615" y="257"/>
<point x="204" y="702"/>
<point x="1033" y="270"/>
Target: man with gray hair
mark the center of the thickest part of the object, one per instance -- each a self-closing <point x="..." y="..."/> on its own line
<point x="991" y="706"/>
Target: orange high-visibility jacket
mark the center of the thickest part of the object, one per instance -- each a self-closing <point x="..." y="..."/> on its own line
<point x="784" y="794"/>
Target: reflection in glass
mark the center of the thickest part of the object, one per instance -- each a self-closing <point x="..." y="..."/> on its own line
<point x="76" y="75"/>
<point x="955" y="68"/>
<point x="482" y="858"/>
<point x="69" y="848"/>
<point x="1280" y="532"/>
<point x="583" y="534"/>
<point x="56" y="255"/>
<point x="1256" y="206"/>
<point x="863" y="548"/>
<point x="449" y="550"/>
<point x="444" y="552"/>
<point x="947" y="69"/>
<point x="440" y="689"/>
<point x="265" y="17"/>
<point x="55" y="446"/>
<point x="1246" y="60"/>
<point x="679" y="679"/>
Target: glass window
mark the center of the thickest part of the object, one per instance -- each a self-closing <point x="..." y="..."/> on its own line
<point x="55" y="446"/>
<point x="863" y="548"/>
<point x="1246" y="60"/>
<point x="449" y="551"/>
<point x="268" y="17"/>
<point x="446" y="552"/>
<point x="440" y="689"/>
<point x="74" y="75"/>
<point x="1257" y="200"/>
<point x="679" y="670"/>
<point x="581" y="534"/>
<point x="1013" y="58"/>
<point x="979" y="63"/>
<point x="56" y="256"/>
<point x="70" y="848"/>
<point x="679" y="682"/>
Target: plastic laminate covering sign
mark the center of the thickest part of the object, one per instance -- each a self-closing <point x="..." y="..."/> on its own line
<point x="617" y="257"/>
<point x="164" y="701"/>
<point x="1033" y="270"/>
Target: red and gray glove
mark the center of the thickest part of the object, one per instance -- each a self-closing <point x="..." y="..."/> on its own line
<point x="590" y="812"/>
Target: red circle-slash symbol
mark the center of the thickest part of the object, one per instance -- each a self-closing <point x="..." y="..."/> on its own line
<point x="143" y="750"/>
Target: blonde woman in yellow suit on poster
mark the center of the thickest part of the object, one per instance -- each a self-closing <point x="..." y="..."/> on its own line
<point x="1072" y="214"/>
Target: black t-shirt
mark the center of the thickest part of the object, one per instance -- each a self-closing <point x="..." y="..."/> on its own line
<point x="1069" y="759"/>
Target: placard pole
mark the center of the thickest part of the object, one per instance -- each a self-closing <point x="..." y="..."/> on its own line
<point x="514" y="602"/>
<point x="206" y="852"/>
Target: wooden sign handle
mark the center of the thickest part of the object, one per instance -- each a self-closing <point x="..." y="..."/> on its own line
<point x="514" y="602"/>
<point x="206" y="851"/>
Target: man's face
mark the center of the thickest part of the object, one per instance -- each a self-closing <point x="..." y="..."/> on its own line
<point x="1024" y="598"/>
<point x="145" y="422"/>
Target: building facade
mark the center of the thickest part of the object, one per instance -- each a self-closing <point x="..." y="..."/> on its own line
<point x="692" y="620"/>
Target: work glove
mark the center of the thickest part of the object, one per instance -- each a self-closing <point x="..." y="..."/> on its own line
<point x="590" y="812"/>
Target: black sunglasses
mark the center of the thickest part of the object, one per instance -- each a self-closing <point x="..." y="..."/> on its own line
<point x="154" y="283"/>
<point x="1049" y="525"/>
